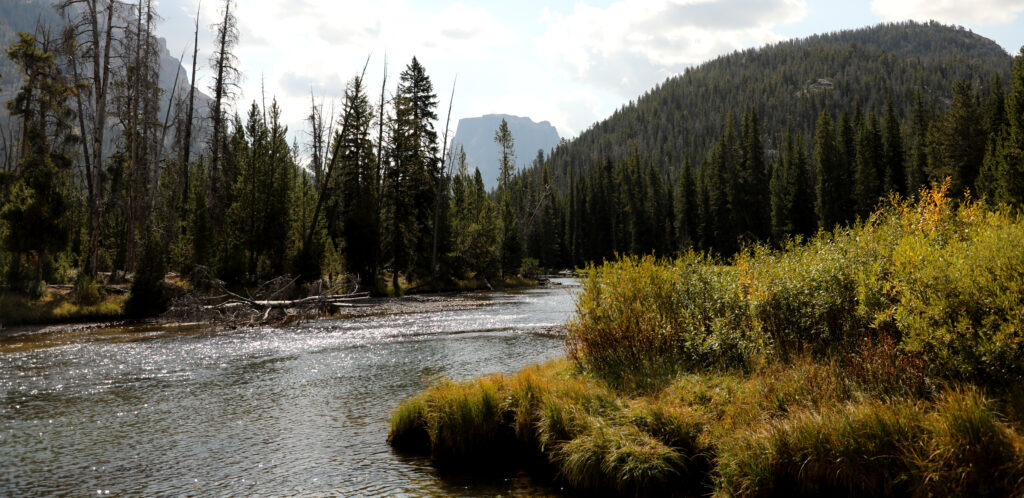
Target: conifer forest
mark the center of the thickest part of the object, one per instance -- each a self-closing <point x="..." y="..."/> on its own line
<point x="104" y="173"/>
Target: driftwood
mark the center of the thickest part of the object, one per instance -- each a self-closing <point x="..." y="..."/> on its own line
<point x="212" y="301"/>
<point x="345" y="299"/>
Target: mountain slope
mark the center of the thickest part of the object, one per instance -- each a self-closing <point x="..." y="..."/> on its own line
<point x="26" y="15"/>
<point x="788" y="83"/>
<point x="476" y="137"/>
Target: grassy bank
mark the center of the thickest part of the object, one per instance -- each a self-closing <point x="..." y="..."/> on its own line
<point x="19" y="309"/>
<point x="880" y="360"/>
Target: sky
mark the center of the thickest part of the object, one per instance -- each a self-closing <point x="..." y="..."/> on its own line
<point x="569" y="63"/>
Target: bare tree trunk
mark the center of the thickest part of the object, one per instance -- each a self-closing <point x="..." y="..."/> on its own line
<point x="188" y="115"/>
<point x="380" y="153"/>
<point x="99" y="38"/>
<point x="219" y="91"/>
<point x="133" y="140"/>
<point x="442" y="182"/>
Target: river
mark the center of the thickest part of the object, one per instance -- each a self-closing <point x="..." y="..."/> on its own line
<point x="300" y="410"/>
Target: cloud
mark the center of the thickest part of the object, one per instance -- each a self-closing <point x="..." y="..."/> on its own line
<point x="629" y="46"/>
<point x="297" y="85"/>
<point x="982" y="12"/>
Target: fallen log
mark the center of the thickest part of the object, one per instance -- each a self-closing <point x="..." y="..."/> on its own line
<point x="334" y="300"/>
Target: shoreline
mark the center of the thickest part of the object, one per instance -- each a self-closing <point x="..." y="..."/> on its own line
<point x="30" y="336"/>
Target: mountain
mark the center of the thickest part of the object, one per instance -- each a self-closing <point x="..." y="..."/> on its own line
<point x="26" y="15"/>
<point x="788" y="84"/>
<point x="476" y="137"/>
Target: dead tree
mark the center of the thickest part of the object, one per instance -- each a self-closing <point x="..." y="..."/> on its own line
<point x="187" y="145"/>
<point x="94" y="27"/>
<point x="225" y="65"/>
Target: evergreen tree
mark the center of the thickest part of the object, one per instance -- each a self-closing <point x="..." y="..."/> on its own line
<point x="37" y="209"/>
<point x="686" y="209"/>
<point x="846" y="136"/>
<point x="802" y="214"/>
<point x="958" y="145"/>
<point x="1011" y="169"/>
<point x="895" y="179"/>
<point x="751" y="205"/>
<point x="474" y="224"/>
<point x="413" y="173"/>
<point x="783" y="191"/>
<point x="511" y="244"/>
<point x="358" y="187"/>
<point x="870" y="166"/>
<point x="831" y="191"/>
<point x="921" y="115"/>
<point x="995" y="107"/>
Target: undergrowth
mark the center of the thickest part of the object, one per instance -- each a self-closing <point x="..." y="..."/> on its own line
<point x="881" y="359"/>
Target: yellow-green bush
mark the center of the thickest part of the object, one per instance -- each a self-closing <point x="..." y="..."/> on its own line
<point x="945" y="279"/>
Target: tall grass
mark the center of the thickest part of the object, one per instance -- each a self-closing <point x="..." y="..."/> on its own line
<point x="956" y="447"/>
<point x="17" y="309"/>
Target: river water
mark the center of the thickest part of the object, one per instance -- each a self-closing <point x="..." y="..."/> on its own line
<point x="300" y="410"/>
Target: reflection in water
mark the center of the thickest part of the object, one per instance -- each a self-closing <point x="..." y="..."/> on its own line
<point x="300" y="410"/>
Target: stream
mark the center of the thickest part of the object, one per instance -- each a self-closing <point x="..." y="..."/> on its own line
<point x="299" y="410"/>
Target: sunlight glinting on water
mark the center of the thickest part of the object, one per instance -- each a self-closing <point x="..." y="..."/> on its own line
<point x="290" y="411"/>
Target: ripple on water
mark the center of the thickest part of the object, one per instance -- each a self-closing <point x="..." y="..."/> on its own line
<point x="294" y="411"/>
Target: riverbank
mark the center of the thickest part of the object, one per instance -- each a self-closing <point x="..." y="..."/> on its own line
<point x="57" y="308"/>
<point x="797" y="429"/>
<point x="114" y="327"/>
<point x="884" y="360"/>
<point x="58" y="311"/>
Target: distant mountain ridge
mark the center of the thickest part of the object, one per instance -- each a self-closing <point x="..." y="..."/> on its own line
<point x="788" y="84"/>
<point x="476" y="137"/>
<point x="25" y="15"/>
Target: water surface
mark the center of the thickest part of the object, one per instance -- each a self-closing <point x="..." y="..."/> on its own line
<point x="293" y="411"/>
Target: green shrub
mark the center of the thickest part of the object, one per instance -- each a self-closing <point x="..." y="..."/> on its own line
<point x="944" y="280"/>
<point x="530" y="268"/>
<point x="87" y="292"/>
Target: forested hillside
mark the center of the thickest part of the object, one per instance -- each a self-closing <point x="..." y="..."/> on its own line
<point x="788" y="84"/>
<point x="754" y="147"/>
<point x="783" y="140"/>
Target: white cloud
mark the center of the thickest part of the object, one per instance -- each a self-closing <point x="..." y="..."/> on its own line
<point x="287" y="48"/>
<point x="629" y="46"/>
<point x="983" y="12"/>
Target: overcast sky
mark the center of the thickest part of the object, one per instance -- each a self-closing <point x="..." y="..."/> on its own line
<point x="570" y="63"/>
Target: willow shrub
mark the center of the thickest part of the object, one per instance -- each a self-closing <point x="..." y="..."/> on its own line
<point x="944" y="279"/>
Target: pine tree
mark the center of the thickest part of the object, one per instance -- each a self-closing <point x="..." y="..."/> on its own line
<point x="846" y="136"/>
<point x="751" y="205"/>
<point x="958" y="145"/>
<point x="782" y="188"/>
<point x="802" y="214"/>
<point x="870" y="166"/>
<point x="511" y="244"/>
<point x="357" y="187"/>
<point x="832" y="192"/>
<point x="686" y="209"/>
<point x="895" y="179"/>
<point x="38" y="208"/>
<point x="147" y="291"/>
<point x="921" y="115"/>
<point x="1011" y="170"/>
<point x="413" y="174"/>
<point x="224" y="64"/>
